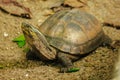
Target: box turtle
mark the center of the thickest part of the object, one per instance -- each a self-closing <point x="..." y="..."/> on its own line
<point x="66" y="36"/>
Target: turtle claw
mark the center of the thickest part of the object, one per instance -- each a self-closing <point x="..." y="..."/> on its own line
<point x="63" y="70"/>
<point x="68" y="70"/>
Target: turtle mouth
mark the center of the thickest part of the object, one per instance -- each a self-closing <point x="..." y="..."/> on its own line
<point x="27" y="29"/>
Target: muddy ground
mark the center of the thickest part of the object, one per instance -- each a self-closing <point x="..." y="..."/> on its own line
<point x="98" y="65"/>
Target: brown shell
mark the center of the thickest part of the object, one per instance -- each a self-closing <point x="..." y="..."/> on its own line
<point x="73" y="31"/>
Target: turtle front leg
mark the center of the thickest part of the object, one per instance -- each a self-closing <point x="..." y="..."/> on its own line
<point x="30" y="55"/>
<point x="66" y="62"/>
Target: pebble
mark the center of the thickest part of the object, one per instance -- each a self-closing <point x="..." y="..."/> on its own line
<point x="18" y="32"/>
<point x="12" y="47"/>
<point x="26" y="75"/>
<point x="5" y="34"/>
<point x="7" y="48"/>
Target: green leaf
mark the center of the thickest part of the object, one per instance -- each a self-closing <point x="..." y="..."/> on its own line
<point x="21" y="43"/>
<point x="73" y="70"/>
<point x="19" y="38"/>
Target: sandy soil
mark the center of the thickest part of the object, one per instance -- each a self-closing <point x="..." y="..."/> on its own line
<point x="96" y="66"/>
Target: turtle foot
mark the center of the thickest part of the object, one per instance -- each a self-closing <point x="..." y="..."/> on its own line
<point x="68" y="70"/>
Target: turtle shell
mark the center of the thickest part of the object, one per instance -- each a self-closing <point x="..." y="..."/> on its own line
<point x="73" y="31"/>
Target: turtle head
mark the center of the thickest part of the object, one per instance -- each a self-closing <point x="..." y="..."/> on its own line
<point x="37" y="41"/>
<point x="27" y="29"/>
<point x="29" y="32"/>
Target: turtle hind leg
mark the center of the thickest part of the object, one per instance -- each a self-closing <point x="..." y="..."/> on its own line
<point x="30" y="55"/>
<point x="66" y="61"/>
<point x="106" y="41"/>
<point x="111" y="44"/>
<point x="115" y="44"/>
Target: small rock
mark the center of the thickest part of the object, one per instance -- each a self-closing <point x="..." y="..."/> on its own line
<point x="18" y="32"/>
<point x="12" y="47"/>
<point x="7" y="48"/>
<point x="5" y="34"/>
<point x="26" y="75"/>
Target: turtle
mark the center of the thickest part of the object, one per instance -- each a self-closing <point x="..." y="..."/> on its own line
<point x="66" y="36"/>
